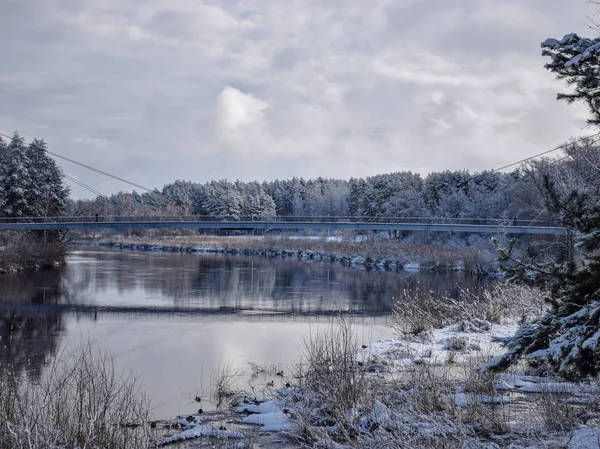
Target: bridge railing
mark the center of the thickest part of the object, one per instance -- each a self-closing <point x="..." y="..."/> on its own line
<point x="295" y="219"/>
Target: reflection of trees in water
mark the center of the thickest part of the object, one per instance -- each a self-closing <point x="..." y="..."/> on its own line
<point x="255" y="282"/>
<point x="29" y="340"/>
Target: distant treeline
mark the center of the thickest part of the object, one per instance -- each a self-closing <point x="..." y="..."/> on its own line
<point x="31" y="184"/>
<point x="449" y="194"/>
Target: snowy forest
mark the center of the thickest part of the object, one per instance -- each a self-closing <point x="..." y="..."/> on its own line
<point x="451" y="195"/>
<point x="32" y="185"/>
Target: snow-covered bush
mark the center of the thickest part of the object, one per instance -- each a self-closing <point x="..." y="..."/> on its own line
<point x="20" y="250"/>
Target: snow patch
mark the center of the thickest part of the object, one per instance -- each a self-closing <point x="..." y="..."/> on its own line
<point x="203" y="431"/>
<point x="269" y="415"/>
<point x="463" y="399"/>
<point x="392" y="354"/>
<point x="585" y="438"/>
<point x="411" y="266"/>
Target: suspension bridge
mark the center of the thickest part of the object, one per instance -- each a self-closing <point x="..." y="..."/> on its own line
<point x="291" y="223"/>
<point x="498" y="226"/>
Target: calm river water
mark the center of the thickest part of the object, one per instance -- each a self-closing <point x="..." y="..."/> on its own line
<point x="174" y="318"/>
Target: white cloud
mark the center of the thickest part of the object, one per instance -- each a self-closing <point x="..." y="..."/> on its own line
<point x="337" y="88"/>
<point x="238" y="111"/>
<point x="241" y="125"/>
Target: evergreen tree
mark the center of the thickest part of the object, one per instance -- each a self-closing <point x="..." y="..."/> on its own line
<point x="576" y="60"/>
<point x="15" y="183"/>
<point x="49" y="194"/>
<point x="567" y="338"/>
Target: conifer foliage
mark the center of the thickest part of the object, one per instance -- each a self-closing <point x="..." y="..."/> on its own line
<point x="566" y="339"/>
<point x="31" y="184"/>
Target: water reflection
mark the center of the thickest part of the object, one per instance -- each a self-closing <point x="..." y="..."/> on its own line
<point x="191" y="311"/>
<point x="237" y="282"/>
<point x="29" y="339"/>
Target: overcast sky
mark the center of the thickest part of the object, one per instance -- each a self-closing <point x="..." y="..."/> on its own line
<point x="157" y="90"/>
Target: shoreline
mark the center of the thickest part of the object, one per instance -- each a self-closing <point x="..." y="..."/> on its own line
<point x="22" y="252"/>
<point x="443" y="364"/>
<point x="426" y="387"/>
<point x="15" y="268"/>
<point x="407" y="258"/>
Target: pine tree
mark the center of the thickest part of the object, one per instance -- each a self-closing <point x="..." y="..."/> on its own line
<point x="15" y="183"/>
<point x="567" y="338"/>
<point x="49" y="194"/>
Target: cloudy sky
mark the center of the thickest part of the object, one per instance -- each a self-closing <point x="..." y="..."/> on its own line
<point x="157" y="90"/>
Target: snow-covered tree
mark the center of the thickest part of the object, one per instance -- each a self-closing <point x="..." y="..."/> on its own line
<point x="222" y="200"/>
<point x="256" y="203"/>
<point x="48" y="191"/>
<point x="567" y="338"/>
<point x="577" y="61"/>
<point x="15" y="183"/>
<point x="438" y="186"/>
<point x="180" y="194"/>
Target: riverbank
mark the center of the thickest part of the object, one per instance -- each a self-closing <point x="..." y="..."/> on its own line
<point x="386" y="254"/>
<point x="417" y="387"/>
<point x="25" y="251"/>
<point x="417" y="390"/>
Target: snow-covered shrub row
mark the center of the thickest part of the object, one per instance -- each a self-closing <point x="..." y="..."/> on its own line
<point x="20" y="251"/>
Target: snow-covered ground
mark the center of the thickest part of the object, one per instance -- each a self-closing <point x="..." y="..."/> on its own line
<point x="456" y="346"/>
<point x="454" y="342"/>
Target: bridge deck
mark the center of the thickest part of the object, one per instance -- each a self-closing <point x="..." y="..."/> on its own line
<point x="269" y="225"/>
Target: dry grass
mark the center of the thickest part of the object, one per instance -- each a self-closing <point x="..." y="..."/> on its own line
<point x="426" y="405"/>
<point x="224" y="383"/>
<point x="429" y="387"/>
<point x="432" y="311"/>
<point x="335" y="390"/>
<point x="552" y="411"/>
<point x="82" y="402"/>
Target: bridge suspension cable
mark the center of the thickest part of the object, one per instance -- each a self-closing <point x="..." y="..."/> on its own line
<point x="85" y="186"/>
<point x="118" y="178"/>
<point x="560" y="147"/>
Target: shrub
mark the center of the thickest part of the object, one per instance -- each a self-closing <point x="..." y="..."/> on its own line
<point x="417" y="311"/>
<point x="82" y="402"/>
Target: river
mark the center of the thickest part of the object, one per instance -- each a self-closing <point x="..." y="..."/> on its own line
<point x="175" y="318"/>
